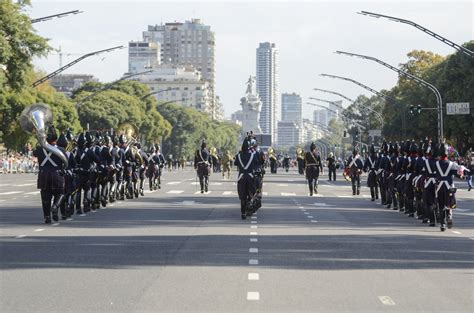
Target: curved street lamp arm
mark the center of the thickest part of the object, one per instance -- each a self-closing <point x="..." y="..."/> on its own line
<point x="422" y="82"/>
<point x="341" y="116"/>
<point x="423" y="29"/>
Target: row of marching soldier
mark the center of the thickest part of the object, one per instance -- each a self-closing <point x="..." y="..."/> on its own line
<point x="414" y="178"/>
<point x="101" y="169"/>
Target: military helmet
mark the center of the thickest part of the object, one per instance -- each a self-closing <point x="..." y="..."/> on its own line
<point x="89" y="139"/>
<point x="312" y="146"/>
<point x="413" y="147"/>
<point x="443" y="150"/>
<point x="203" y="144"/>
<point x="245" y="145"/>
<point x="62" y="141"/>
<point x="69" y="135"/>
<point x="51" y="135"/>
<point x="81" y="141"/>
<point x="122" y="139"/>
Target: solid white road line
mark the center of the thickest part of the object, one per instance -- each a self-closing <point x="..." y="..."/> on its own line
<point x="23" y="185"/>
<point x="39" y="229"/>
<point x="282" y="185"/>
<point x="344" y="196"/>
<point x="386" y="300"/>
<point x="253" y="296"/>
<point x="253" y="250"/>
<point x="253" y="276"/>
<point x="253" y="262"/>
<point x="9" y="193"/>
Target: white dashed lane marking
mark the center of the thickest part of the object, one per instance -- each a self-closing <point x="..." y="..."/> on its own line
<point x="33" y="193"/>
<point x="173" y="183"/>
<point x="253" y="233"/>
<point x="254" y="226"/>
<point x="253" y="262"/>
<point x="39" y="229"/>
<point x="253" y="240"/>
<point x="253" y="296"/>
<point x="288" y="194"/>
<point x="253" y="222"/>
<point x="386" y="300"/>
<point x="253" y="250"/>
<point x="456" y="232"/>
<point x="20" y="236"/>
<point x="314" y="221"/>
<point x="253" y="276"/>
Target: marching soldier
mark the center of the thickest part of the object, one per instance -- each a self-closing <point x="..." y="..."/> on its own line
<point x="313" y="168"/>
<point x="382" y="164"/>
<point x="107" y="168"/>
<point x="50" y="177"/>
<point x="142" y="159"/>
<point x="331" y="166"/>
<point x="86" y="160"/>
<point x="69" y="184"/>
<point x="286" y="162"/>
<point x="445" y="191"/>
<point x="300" y="161"/>
<point x="429" y="186"/>
<point x="202" y="159"/>
<point x="246" y="162"/>
<point x="226" y="164"/>
<point x="409" y="167"/>
<point x="390" y="170"/>
<point x="370" y="166"/>
<point x="355" y="166"/>
<point x="259" y="172"/>
<point x="418" y="183"/>
<point x="273" y="163"/>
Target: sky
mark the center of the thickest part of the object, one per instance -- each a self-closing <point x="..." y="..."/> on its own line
<point x="306" y="33"/>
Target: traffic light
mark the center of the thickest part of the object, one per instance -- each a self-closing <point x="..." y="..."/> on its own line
<point x="418" y="109"/>
<point x="412" y="109"/>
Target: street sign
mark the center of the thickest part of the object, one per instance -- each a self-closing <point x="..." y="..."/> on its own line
<point x="457" y="108"/>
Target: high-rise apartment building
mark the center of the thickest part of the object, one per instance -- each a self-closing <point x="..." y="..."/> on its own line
<point x="291" y="107"/>
<point x="142" y="56"/>
<point x="320" y="117"/>
<point x="268" y="87"/>
<point x="188" y="43"/>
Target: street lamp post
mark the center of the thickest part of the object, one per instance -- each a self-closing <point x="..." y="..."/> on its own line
<point x="352" y="101"/>
<point x="45" y="78"/>
<point x="49" y="17"/>
<point x="422" y="82"/>
<point x="341" y="116"/>
<point x="378" y="93"/>
<point x="423" y="29"/>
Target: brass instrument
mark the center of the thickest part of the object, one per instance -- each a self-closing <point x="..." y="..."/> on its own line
<point x="37" y="118"/>
<point x="300" y="153"/>
<point x="131" y="133"/>
<point x="271" y="153"/>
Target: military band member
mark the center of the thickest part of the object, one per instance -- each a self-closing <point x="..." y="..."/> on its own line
<point x="259" y="171"/>
<point x="246" y="162"/>
<point x="69" y="180"/>
<point x="313" y="167"/>
<point x="202" y="161"/>
<point x="355" y="166"/>
<point x="331" y="160"/>
<point x="409" y="168"/>
<point x="429" y="186"/>
<point x="227" y="160"/>
<point x="50" y="177"/>
<point x="370" y="166"/>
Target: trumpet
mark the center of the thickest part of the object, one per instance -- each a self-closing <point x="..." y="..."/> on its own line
<point x="300" y="153"/>
<point x="131" y="133"/>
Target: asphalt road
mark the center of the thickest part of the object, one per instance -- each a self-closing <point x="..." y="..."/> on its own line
<point x="175" y="250"/>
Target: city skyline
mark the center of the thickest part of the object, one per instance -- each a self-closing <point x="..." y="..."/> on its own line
<point x="306" y="36"/>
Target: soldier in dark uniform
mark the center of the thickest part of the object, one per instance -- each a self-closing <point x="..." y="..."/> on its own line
<point x="69" y="180"/>
<point x="390" y="176"/>
<point x="382" y="164"/>
<point x="313" y="168"/>
<point x="259" y="171"/>
<point x="143" y="164"/>
<point x="409" y="166"/>
<point x="331" y="166"/>
<point x="156" y="162"/>
<point x="117" y="181"/>
<point x="86" y="160"/>
<point x="300" y="161"/>
<point x="429" y="184"/>
<point x="202" y="160"/>
<point x="107" y="168"/>
<point x="370" y="166"/>
<point x="286" y="162"/>
<point x="355" y="165"/>
<point x="400" y="176"/>
<point x="246" y="162"/>
<point x="50" y="177"/>
<point x="418" y="183"/>
<point x="445" y="190"/>
<point x="128" y="162"/>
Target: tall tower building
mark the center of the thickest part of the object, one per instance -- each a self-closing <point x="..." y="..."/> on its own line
<point x="291" y="107"/>
<point x="268" y="87"/>
<point x="189" y="43"/>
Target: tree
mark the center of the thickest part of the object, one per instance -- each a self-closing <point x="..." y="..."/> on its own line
<point x="18" y="45"/>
